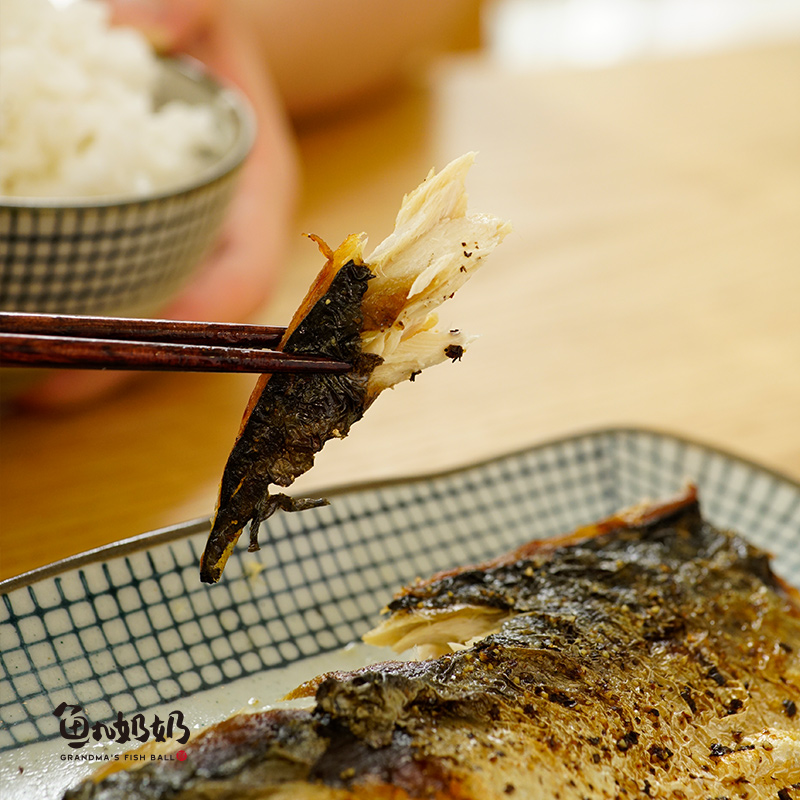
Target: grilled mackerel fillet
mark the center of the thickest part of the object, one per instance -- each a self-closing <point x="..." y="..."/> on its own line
<point x="375" y="312"/>
<point x="649" y="655"/>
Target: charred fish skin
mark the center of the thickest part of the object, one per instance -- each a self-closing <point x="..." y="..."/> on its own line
<point x="293" y="417"/>
<point x="240" y="757"/>
<point x="632" y="565"/>
<point x="436" y="245"/>
<point x="291" y="755"/>
<point x="654" y="657"/>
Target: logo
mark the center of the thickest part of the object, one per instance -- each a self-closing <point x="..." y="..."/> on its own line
<point x="77" y="731"/>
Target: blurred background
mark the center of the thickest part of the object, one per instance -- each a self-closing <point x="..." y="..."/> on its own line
<point x="647" y="153"/>
<point x="542" y="34"/>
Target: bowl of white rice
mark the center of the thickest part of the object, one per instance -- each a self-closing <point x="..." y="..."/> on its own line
<point x="116" y="166"/>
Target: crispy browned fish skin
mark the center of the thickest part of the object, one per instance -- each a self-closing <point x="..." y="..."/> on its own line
<point x="292" y="416"/>
<point x="650" y="655"/>
<point x="434" y="248"/>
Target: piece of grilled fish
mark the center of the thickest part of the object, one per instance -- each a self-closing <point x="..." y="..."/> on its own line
<point x="375" y="312"/>
<point x="650" y="655"/>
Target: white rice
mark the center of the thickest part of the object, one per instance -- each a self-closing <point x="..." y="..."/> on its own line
<point x="76" y="107"/>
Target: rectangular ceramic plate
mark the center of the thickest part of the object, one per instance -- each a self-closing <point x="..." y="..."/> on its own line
<point x="129" y="629"/>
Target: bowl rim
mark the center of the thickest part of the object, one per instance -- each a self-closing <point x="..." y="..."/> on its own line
<point x="225" y="93"/>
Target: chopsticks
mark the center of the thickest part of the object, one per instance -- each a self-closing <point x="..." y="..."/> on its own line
<point x="84" y="342"/>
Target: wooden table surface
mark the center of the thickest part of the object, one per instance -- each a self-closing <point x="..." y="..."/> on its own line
<point x="652" y="279"/>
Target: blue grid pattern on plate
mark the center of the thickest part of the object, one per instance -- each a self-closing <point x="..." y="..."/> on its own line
<point x="138" y="630"/>
<point x="106" y="257"/>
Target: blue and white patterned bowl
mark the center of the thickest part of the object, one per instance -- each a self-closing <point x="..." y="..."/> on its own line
<point x="129" y="630"/>
<point x="125" y="256"/>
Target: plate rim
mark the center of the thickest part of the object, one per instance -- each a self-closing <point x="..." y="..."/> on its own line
<point x="180" y="530"/>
